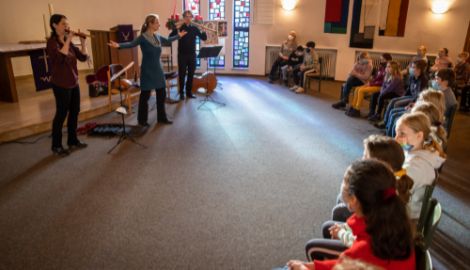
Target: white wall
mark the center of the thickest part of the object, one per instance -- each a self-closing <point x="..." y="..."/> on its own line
<point x="22" y="20"/>
<point x="422" y="27"/>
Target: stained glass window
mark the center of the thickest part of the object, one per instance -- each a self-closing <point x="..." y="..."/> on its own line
<point x="195" y="7"/>
<point x="217" y="12"/>
<point x="241" y="33"/>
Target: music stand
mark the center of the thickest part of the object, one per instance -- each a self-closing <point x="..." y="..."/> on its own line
<point x="124" y="134"/>
<point x="207" y="53"/>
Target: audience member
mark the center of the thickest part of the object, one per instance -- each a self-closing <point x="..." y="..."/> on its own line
<point x="310" y="64"/>
<point x="296" y="58"/>
<point x="423" y="155"/>
<point x="369" y="88"/>
<point x="391" y="88"/>
<point x="359" y="75"/>
<point x="287" y="47"/>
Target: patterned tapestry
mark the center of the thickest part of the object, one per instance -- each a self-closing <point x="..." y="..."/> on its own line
<point x="393" y="15"/>
<point x="363" y="23"/>
<point x="336" y="16"/>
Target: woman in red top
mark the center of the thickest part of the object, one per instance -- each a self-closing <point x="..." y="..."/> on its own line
<point x="380" y="221"/>
<point x="63" y="57"/>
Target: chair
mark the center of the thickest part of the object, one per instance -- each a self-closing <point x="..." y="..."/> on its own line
<point x="170" y="77"/>
<point x="314" y="74"/>
<point x="423" y="258"/>
<point x="426" y="200"/>
<point x="129" y="88"/>
<point x="449" y="119"/>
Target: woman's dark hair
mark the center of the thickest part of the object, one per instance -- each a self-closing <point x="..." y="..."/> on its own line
<point x="447" y="74"/>
<point x="387" y="221"/>
<point x="300" y="48"/>
<point x="55" y="19"/>
<point x="388" y="150"/>
<point x="387" y="57"/>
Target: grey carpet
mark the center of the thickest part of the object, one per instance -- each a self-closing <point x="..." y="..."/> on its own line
<point x="237" y="187"/>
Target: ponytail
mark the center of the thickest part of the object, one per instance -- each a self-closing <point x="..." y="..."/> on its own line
<point x="149" y="19"/>
<point x="404" y="183"/>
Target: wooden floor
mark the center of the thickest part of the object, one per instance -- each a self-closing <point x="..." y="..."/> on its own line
<point x="34" y="112"/>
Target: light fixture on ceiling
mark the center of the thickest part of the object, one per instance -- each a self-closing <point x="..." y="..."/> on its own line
<point x="440" y="6"/>
<point x="288" y="5"/>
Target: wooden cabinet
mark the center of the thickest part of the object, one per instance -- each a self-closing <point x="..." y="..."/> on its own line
<point x="104" y="55"/>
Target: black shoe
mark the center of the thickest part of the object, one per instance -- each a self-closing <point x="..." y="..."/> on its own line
<point x="189" y="95"/>
<point x="339" y="105"/>
<point x="353" y="113"/>
<point x="144" y="124"/>
<point x="181" y="97"/>
<point x="60" y="151"/>
<point x="77" y="145"/>
<point x="165" y="122"/>
<point x="374" y="118"/>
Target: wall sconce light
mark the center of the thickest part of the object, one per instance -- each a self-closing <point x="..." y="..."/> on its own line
<point x="288" y="5"/>
<point x="440" y="6"/>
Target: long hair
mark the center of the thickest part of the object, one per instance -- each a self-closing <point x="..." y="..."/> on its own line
<point x="437" y="120"/>
<point x="435" y="97"/>
<point x="419" y="122"/>
<point x="149" y="19"/>
<point x="388" y="150"/>
<point x="55" y="19"/>
<point x="387" y="221"/>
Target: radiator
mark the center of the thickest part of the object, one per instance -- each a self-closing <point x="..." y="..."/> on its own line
<point x="328" y="57"/>
<point x="403" y="59"/>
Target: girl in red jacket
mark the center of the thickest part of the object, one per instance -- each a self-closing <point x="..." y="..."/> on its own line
<point x="380" y="221"/>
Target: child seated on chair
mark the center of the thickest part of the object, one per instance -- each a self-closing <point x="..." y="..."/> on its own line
<point x="391" y="88"/>
<point x="423" y="155"/>
<point x="417" y="82"/>
<point x="443" y="81"/>
<point x="369" y="88"/>
<point x="380" y="223"/>
<point x="296" y="58"/>
<point x="359" y="75"/>
<point x="432" y="96"/>
<point x="310" y="64"/>
<point x="389" y="151"/>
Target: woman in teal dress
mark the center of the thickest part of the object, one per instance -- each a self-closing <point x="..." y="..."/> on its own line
<point x="151" y="71"/>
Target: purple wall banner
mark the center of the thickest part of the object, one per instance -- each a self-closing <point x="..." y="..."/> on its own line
<point x="41" y="73"/>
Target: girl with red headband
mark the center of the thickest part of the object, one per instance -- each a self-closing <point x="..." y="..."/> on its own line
<point x="380" y="223"/>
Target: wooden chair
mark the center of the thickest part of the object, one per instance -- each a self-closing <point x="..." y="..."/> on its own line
<point x="129" y="88"/>
<point x="313" y="74"/>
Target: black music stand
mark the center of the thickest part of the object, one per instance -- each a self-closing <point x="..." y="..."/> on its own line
<point x="208" y="53"/>
<point x="124" y="133"/>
